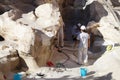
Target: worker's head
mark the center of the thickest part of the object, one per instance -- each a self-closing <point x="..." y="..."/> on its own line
<point x="83" y="28"/>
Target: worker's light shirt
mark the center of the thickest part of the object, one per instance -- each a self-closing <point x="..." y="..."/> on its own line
<point x="83" y="37"/>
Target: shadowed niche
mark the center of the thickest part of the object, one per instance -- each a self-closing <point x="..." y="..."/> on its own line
<point x="1" y="38"/>
<point x="115" y="3"/>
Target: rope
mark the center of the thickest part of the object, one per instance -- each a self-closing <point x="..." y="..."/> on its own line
<point x="68" y="58"/>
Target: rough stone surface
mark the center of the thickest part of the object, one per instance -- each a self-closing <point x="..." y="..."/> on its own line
<point x="31" y="30"/>
<point x="108" y="63"/>
<point x="31" y="26"/>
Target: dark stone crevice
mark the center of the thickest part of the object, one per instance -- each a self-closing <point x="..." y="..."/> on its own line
<point x="72" y="16"/>
<point x="1" y="38"/>
<point x="115" y="3"/>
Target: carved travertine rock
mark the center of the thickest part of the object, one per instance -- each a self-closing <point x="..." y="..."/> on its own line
<point x="32" y="32"/>
<point x="109" y="27"/>
<point x="9" y="58"/>
<point x="31" y="26"/>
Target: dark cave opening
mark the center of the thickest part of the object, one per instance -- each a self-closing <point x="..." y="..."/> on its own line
<point x="93" y="12"/>
<point x="72" y="16"/>
<point x="1" y="38"/>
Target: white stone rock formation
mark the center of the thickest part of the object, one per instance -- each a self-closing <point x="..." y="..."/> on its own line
<point x="30" y="33"/>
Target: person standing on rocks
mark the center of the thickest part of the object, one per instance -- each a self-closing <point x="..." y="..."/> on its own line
<point x="84" y="43"/>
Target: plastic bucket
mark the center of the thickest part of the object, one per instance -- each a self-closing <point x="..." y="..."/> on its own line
<point x="17" y="77"/>
<point x="83" y="72"/>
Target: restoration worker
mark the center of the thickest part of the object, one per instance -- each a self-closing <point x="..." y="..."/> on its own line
<point x="84" y="43"/>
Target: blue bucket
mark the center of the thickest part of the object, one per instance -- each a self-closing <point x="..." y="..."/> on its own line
<point x="83" y="72"/>
<point x="17" y="77"/>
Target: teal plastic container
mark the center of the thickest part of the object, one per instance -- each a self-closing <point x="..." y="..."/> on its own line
<point x="17" y="77"/>
<point x="83" y="72"/>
